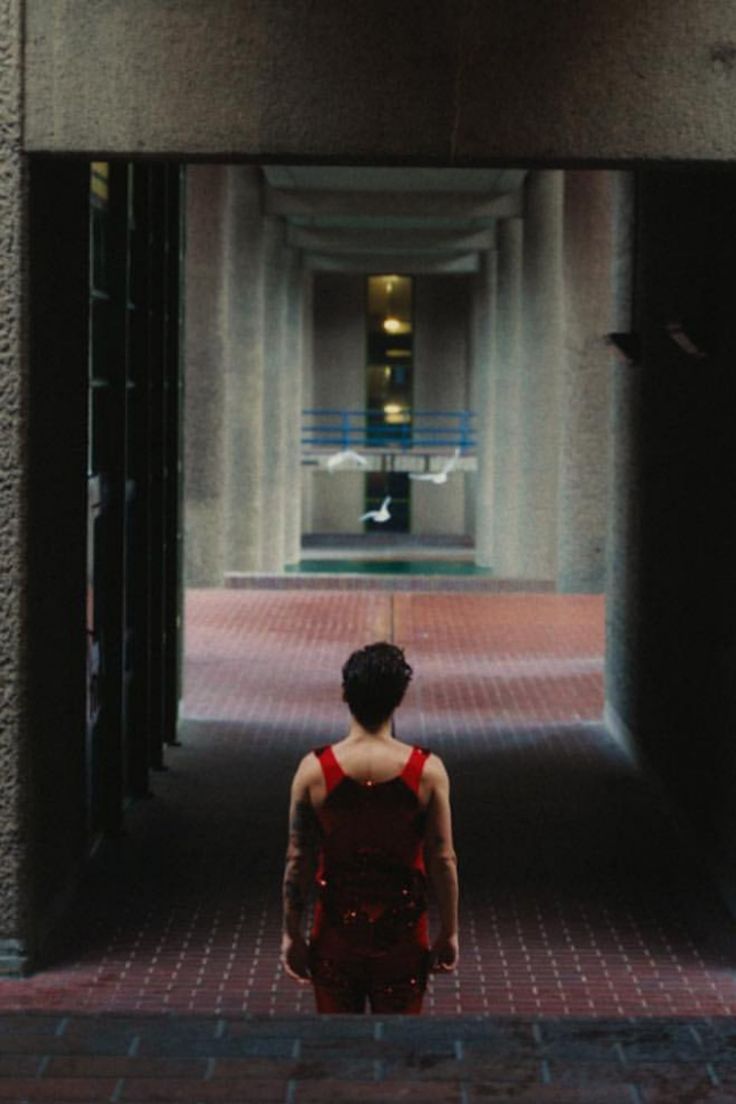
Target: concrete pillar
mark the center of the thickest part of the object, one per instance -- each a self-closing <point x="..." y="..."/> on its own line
<point x="671" y="655"/>
<point x="204" y="370"/>
<point x="441" y="306"/>
<point x="507" y="416"/>
<point x="471" y="402"/>
<point x="307" y="473"/>
<point x="275" y="300"/>
<point x="585" y="408"/>
<point x="293" y="408"/>
<point x="540" y="385"/>
<point x="339" y="382"/>
<point x="484" y="420"/>
<point x="15" y="839"/>
<point x="243" y="357"/>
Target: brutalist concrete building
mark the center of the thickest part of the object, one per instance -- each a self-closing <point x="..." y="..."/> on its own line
<point x="216" y="216"/>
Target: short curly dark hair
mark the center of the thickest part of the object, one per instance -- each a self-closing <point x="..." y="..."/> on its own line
<point x="374" y="681"/>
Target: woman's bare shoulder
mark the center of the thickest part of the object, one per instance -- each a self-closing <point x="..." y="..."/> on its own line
<point x="308" y="769"/>
<point x="434" y="768"/>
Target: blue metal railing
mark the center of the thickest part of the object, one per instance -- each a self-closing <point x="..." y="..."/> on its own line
<point x="371" y="428"/>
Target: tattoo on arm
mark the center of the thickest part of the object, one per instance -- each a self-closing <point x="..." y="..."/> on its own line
<point x="301" y="854"/>
<point x="303" y="827"/>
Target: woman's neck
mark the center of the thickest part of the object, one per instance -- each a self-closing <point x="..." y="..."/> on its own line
<point x="357" y="733"/>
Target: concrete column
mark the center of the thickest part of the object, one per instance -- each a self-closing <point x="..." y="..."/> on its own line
<point x="585" y="408"/>
<point x="204" y="372"/>
<point x="243" y="356"/>
<point x="273" y="548"/>
<point x="339" y="382"/>
<point x="441" y="307"/>
<point x="671" y="656"/>
<point x="507" y="418"/>
<point x="471" y="401"/>
<point x="484" y="421"/>
<point x="307" y="473"/>
<point x="15" y="841"/>
<point x="540" y="385"/>
<point x="293" y="409"/>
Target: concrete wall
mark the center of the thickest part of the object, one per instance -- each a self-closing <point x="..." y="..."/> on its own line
<point x="13" y="563"/>
<point x="541" y="370"/>
<point x="462" y="84"/>
<point x="507" y="414"/>
<point x="242" y="417"/>
<point x="672" y="635"/>
<point x="441" y="307"/>
<point x="307" y="349"/>
<point x="205" y="362"/>
<point x="339" y="381"/>
<point x="590" y="313"/>
<point x="510" y="80"/>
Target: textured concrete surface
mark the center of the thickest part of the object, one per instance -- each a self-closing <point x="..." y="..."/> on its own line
<point x="242" y="421"/>
<point x="205" y="353"/>
<point x="275" y="393"/>
<point x="307" y="474"/>
<point x="590" y="311"/>
<point x="339" y="383"/>
<point x="441" y="310"/>
<point x="13" y="765"/>
<point x="542" y="358"/>
<point x="671" y="644"/>
<point x="507" y="419"/>
<point x="484" y="400"/>
<point x="461" y="81"/>
<point x="294" y="369"/>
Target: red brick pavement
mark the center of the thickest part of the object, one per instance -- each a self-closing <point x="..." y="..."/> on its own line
<point x="577" y="897"/>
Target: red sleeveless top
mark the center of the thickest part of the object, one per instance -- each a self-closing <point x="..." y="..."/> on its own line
<point x="371" y="881"/>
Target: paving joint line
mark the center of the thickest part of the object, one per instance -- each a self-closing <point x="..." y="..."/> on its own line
<point x="712" y="1075"/>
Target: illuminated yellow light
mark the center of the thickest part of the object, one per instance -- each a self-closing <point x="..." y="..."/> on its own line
<point x="392" y="408"/>
<point x="392" y="325"/>
<point x="99" y="179"/>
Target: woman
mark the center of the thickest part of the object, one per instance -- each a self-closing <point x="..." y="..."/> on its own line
<point x="366" y="814"/>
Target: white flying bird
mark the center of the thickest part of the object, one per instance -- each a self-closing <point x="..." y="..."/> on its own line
<point x="440" y="476"/>
<point x="339" y="458"/>
<point x="380" y="515"/>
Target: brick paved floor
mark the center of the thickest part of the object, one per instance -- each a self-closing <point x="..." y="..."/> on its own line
<point x="457" y="1060"/>
<point x="579" y="903"/>
<point x="577" y="897"/>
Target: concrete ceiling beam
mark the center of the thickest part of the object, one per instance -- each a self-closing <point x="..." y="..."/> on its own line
<point x="410" y="264"/>
<point x="389" y="241"/>
<point x="304" y="203"/>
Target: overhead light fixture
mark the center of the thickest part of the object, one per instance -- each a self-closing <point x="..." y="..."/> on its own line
<point x="392" y="325"/>
<point x="392" y="408"/>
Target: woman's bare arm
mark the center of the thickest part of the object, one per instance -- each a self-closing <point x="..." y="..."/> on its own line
<point x="442" y="866"/>
<point x="301" y="858"/>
